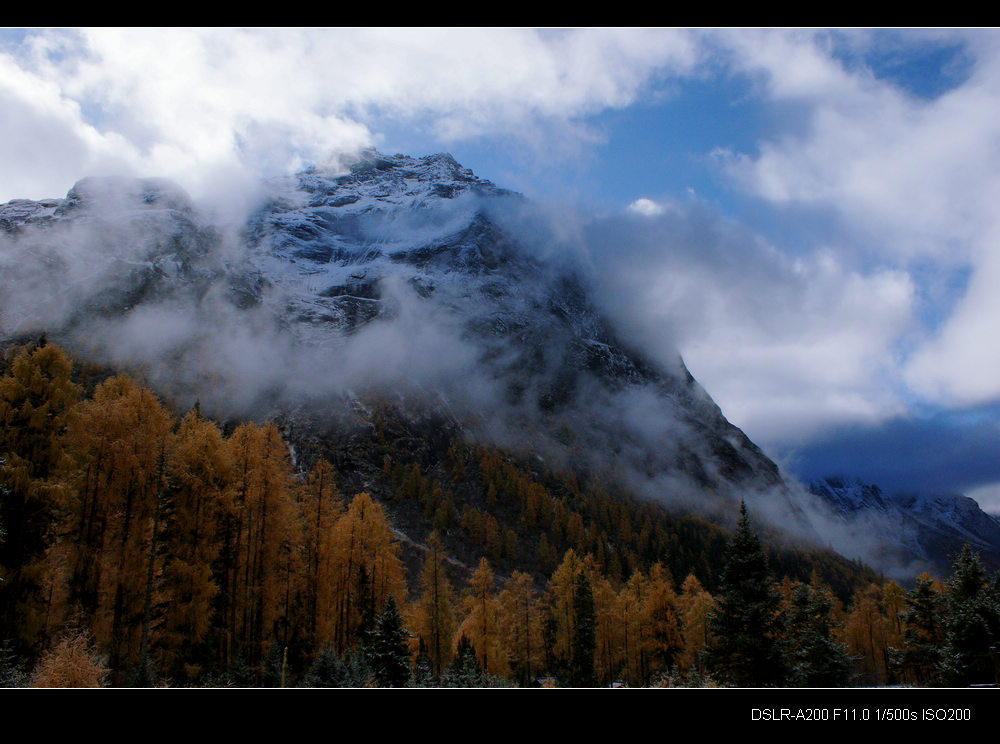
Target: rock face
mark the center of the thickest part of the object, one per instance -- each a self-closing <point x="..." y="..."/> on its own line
<point x="111" y="244"/>
<point x="921" y="531"/>
<point x="400" y="277"/>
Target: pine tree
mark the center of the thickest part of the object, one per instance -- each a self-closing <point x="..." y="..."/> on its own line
<point x="815" y="657"/>
<point x="464" y="670"/>
<point x="423" y="674"/>
<point x="746" y="626"/>
<point x="326" y="670"/>
<point x="923" y="633"/>
<point x="582" y="672"/>
<point x="972" y="624"/>
<point x="388" y="652"/>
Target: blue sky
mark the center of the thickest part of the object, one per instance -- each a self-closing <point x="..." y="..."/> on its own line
<point x="809" y="215"/>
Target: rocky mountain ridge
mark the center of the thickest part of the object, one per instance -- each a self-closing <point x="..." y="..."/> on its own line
<point x="925" y="530"/>
<point x="392" y="276"/>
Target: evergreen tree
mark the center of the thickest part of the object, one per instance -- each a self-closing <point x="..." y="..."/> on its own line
<point x="12" y="671"/>
<point x="972" y="624"/>
<point x="815" y="658"/>
<point x="329" y="669"/>
<point x="423" y="675"/>
<point x="357" y="671"/>
<point x="923" y="633"/>
<point x="746" y="625"/>
<point x="582" y="672"/>
<point x="388" y="651"/>
<point x="464" y="670"/>
<point x="326" y="670"/>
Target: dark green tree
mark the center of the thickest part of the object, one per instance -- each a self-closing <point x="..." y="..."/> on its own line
<point x="923" y="634"/>
<point x="12" y="670"/>
<point x="423" y="674"/>
<point x="746" y="624"/>
<point x="329" y="669"/>
<point x="326" y="670"/>
<point x="972" y="624"/>
<point x="464" y="670"/>
<point x="815" y="658"/>
<point x="388" y="651"/>
<point x="582" y="672"/>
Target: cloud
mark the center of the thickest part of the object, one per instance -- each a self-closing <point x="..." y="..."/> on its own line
<point x="789" y="339"/>
<point x="911" y="180"/>
<point x="646" y="207"/>
<point x="944" y="453"/>
<point x="786" y="346"/>
<point x="957" y="365"/>
<point x="182" y="103"/>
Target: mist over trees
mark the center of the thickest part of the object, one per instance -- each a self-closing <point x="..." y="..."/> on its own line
<point x="145" y="546"/>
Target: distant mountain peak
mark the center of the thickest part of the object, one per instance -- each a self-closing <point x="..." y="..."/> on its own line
<point x="926" y="530"/>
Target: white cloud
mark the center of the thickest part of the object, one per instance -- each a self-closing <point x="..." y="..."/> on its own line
<point x="786" y="346"/>
<point x="646" y="207"/>
<point x="44" y="142"/>
<point x="911" y="181"/>
<point x="181" y="102"/>
<point x="988" y="497"/>
<point x="958" y="365"/>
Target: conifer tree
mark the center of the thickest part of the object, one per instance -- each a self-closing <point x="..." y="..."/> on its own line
<point x="36" y="397"/>
<point x="665" y="641"/>
<point x="520" y="627"/>
<point x="437" y="624"/>
<point x="582" y="671"/>
<point x="972" y="624"/>
<point x="694" y="604"/>
<point x="923" y="633"/>
<point x="117" y="442"/>
<point x="326" y="670"/>
<point x="321" y="506"/>
<point x="865" y="633"/>
<point x="423" y="674"/>
<point x="199" y="469"/>
<point x="815" y="657"/>
<point x="388" y="651"/>
<point x="12" y="671"/>
<point x="482" y="620"/>
<point x="364" y="569"/>
<point x="746" y="626"/>
<point x="464" y="670"/>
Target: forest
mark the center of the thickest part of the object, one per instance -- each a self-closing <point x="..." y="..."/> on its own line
<point x="145" y="546"/>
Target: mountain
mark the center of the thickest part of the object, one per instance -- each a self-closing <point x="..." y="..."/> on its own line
<point x="923" y="531"/>
<point x="389" y="278"/>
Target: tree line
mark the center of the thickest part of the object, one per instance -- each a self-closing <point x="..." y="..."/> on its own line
<point x="143" y="547"/>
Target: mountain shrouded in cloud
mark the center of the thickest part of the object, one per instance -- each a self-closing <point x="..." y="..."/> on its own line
<point x="401" y="278"/>
<point x="812" y="221"/>
<point x="395" y="278"/>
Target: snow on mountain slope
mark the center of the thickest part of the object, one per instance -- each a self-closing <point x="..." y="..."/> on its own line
<point x="406" y="278"/>
<point x="924" y="531"/>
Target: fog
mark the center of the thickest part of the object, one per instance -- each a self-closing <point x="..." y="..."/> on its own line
<point x="137" y="276"/>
